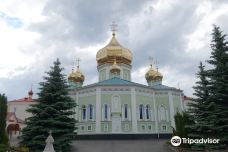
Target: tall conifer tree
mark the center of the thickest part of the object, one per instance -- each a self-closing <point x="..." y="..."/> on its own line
<point x="199" y="110"/>
<point x="3" y="113"/>
<point x="54" y="112"/>
<point x="218" y="84"/>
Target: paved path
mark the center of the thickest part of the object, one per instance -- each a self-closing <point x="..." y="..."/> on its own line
<point x="152" y="145"/>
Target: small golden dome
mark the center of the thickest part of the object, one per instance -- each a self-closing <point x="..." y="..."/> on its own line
<point x="158" y="76"/>
<point x="114" y="51"/>
<point x="150" y="74"/>
<point x="115" y="68"/>
<point x="76" y="76"/>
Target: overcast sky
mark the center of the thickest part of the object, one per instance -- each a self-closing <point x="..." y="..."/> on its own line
<point x="175" y="32"/>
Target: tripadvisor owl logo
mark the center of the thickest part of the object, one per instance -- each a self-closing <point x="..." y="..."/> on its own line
<point x="176" y="141"/>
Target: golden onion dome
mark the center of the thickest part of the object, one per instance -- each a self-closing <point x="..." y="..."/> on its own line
<point x="151" y="74"/>
<point x="114" y="51"/>
<point x="158" y="76"/>
<point x="76" y="76"/>
<point x="115" y="68"/>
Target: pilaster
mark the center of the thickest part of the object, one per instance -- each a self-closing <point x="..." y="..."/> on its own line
<point x="98" y="110"/>
<point x="134" y="108"/>
<point x="171" y="109"/>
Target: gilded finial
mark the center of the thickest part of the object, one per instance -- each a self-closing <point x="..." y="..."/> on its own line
<point x="156" y="64"/>
<point x="113" y="28"/>
<point x="78" y="61"/>
<point x="151" y="59"/>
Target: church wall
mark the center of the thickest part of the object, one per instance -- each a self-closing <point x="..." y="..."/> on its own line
<point x="86" y="100"/>
<point x="106" y="127"/>
<point x="176" y="103"/>
<point x="126" y="126"/>
<point x="86" y="128"/>
<point x="162" y="99"/>
<point x="145" y="126"/>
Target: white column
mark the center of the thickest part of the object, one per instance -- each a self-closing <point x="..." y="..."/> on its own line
<point x="134" y="111"/>
<point x="155" y="113"/>
<point x="171" y="109"/>
<point x="98" y="110"/>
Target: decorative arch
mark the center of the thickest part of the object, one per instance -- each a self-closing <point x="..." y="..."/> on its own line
<point x="116" y="103"/>
<point x="162" y="111"/>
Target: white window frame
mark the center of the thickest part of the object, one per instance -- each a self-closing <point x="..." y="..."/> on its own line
<point x="164" y="126"/>
<point x="150" y="127"/>
<point x="89" y="129"/>
<point x="83" y="127"/>
<point x="144" y="127"/>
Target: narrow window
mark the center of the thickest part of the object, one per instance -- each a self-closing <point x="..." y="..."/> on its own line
<point x="106" y="111"/>
<point x="125" y="111"/>
<point x="147" y="112"/>
<point x="91" y="112"/>
<point x="83" y="112"/>
<point x="141" y="111"/>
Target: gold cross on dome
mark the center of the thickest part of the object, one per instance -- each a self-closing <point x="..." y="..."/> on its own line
<point x="78" y="61"/>
<point x="156" y="63"/>
<point x="151" y="59"/>
<point x="113" y="27"/>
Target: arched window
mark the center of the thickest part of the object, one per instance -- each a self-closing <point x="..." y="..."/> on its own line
<point x="105" y="111"/>
<point x="125" y="111"/>
<point x="83" y="112"/>
<point x="141" y="111"/>
<point x="162" y="113"/>
<point x="147" y="112"/>
<point x="91" y="112"/>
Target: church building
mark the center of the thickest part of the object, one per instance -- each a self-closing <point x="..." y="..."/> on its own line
<point x="116" y="106"/>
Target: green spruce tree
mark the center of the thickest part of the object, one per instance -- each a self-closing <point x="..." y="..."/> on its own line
<point x="54" y="112"/>
<point x="218" y="85"/>
<point x="3" y="113"/>
<point x="200" y="110"/>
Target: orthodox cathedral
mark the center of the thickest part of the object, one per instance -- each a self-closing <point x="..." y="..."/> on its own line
<point x="117" y="107"/>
